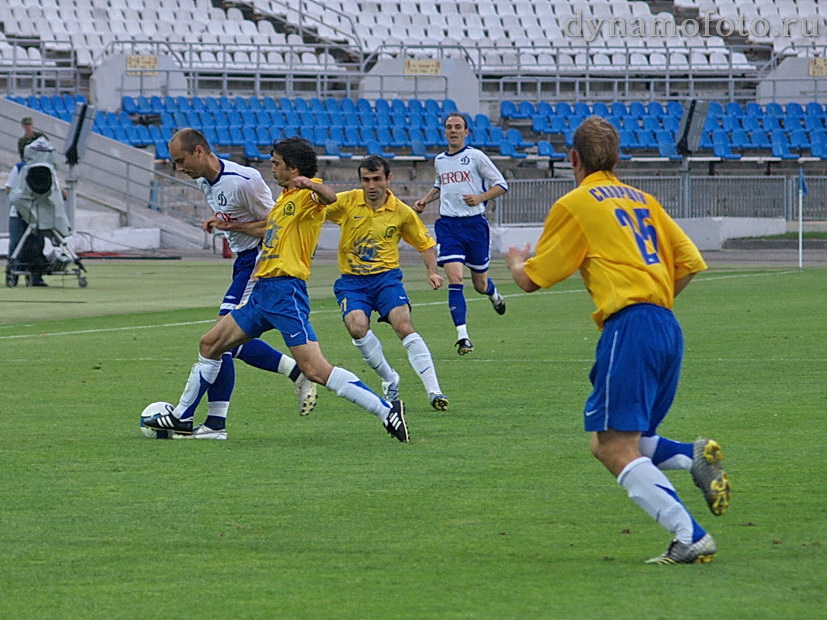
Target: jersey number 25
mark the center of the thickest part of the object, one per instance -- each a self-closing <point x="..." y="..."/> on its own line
<point x="643" y="232"/>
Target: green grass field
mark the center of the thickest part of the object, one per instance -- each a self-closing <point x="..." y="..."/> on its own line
<point x="495" y="510"/>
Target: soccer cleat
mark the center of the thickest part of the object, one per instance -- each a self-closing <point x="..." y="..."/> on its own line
<point x="464" y="346"/>
<point x="395" y="423"/>
<point x="306" y="392"/>
<point x="700" y="552"/>
<point x="498" y="302"/>
<point x="709" y="476"/>
<point x="202" y="431"/>
<point x="390" y="389"/>
<point x="438" y="401"/>
<point x="168" y="422"/>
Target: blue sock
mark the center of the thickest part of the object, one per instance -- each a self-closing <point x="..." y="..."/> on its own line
<point x="491" y="288"/>
<point x="667" y="448"/>
<point x="456" y="303"/>
<point x="259" y="354"/>
<point x="666" y="453"/>
<point x="221" y="390"/>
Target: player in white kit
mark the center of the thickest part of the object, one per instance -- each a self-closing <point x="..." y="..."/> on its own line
<point x="465" y="180"/>
<point x="239" y="198"/>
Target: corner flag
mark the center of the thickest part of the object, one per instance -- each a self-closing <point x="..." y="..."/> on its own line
<point x="802" y="182"/>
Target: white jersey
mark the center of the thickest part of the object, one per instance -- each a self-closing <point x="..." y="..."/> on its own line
<point x="468" y="171"/>
<point x="239" y="194"/>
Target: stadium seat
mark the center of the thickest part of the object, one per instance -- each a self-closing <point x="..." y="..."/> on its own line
<point x="514" y="136"/>
<point x="721" y="145"/>
<point x="666" y="145"/>
<point x="331" y="148"/>
<point x="799" y="140"/>
<point x="374" y="148"/>
<point x="418" y="150"/>
<point x="508" y="149"/>
<point x="760" y="140"/>
<point x="741" y="140"/>
<point x="546" y="149"/>
<point x="508" y="110"/>
<point x="162" y="151"/>
<point x="646" y="139"/>
<point x="251" y="153"/>
<point x="780" y="145"/>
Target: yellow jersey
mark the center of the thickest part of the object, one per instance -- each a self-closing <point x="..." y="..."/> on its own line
<point x="369" y="240"/>
<point x="291" y="235"/>
<point x="627" y="248"/>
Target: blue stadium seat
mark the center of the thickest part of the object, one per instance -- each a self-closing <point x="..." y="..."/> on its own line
<point x="666" y="145"/>
<point x="183" y="104"/>
<point x="794" y="109"/>
<point x="384" y="137"/>
<point x="637" y="109"/>
<point x="478" y="137"/>
<point x="514" y="136"/>
<point x="628" y="140"/>
<point x="212" y="105"/>
<point x="263" y="136"/>
<point x="331" y="148"/>
<point x="481" y="120"/>
<point x="128" y="105"/>
<point x="814" y="109"/>
<point x="352" y="137"/>
<point x="508" y="109"/>
<point x="646" y="139"/>
<point x="417" y="135"/>
<point x="721" y="145"/>
<point x="799" y="140"/>
<point x="418" y="150"/>
<point x="316" y="105"/>
<point x="655" y="109"/>
<point x="508" y="149"/>
<point x="527" y="109"/>
<point x="197" y="103"/>
<point x="716" y="110"/>
<point x="374" y="148"/>
<point x="706" y="141"/>
<point x="792" y="123"/>
<point x="251" y="153"/>
<point x="415" y="107"/>
<point x="771" y="123"/>
<point x="773" y="109"/>
<point x="382" y="106"/>
<point x="618" y="108"/>
<point x="348" y="105"/>
<point x="398" y="106"/>
<point x="496" y="134"/>
<point x="563" y="109"/>
<point x="754" y="109"/>
<point x="332" y="104"/>
<point x="671" y="123"/>
<point x="813" y="123"/>
<point x="366" y="134"/>
<point x="734" y="108"/>
<point x="581" y="109"/>
<point x="432" y="107"/>
<point x="432" y="137"/>
<point x="673" y="108"/>
<point x="760" y="140"/>
<point x="400" y="137"/>
<point x="731" y="123"/>
<point x="652" y="123"/>
<point x="448" y="106"/>
<point x="741" y="140"/>
<point x="600" y="109"/>
<point x="222" y="136"/>
<point x="546" y="149"/>
<point x="162" y="151"/>
<point x="780" y="145"/>
<point x="383" y="119"/>
<point x="544" y="108"/>
<point x="752" y="123"/>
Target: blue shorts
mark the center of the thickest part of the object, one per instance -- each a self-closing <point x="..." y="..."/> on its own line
<point x="277" y="303"/>
<point x="380" y="292"/>
<point x="464" y="240"/>
<point x="241" y="286"/>
<point x="636" y="370"/>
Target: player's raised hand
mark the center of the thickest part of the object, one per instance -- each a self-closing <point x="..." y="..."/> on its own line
<point x="419" y="206"/>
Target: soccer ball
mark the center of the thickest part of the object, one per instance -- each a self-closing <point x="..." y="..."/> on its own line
<point x="152" y="410"/>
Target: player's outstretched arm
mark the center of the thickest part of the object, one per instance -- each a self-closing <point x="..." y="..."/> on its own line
<point x="254" y="229"/>
<point x="324" y="193"/>
<point x="515" y="259"/>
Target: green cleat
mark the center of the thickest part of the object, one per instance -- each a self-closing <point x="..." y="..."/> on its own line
<point x="709" y="476"/>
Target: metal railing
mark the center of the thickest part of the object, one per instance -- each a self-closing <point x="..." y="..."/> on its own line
<point x="528" y="201"/>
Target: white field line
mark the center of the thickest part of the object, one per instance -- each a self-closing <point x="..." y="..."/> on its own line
<point x="336" y="311"/>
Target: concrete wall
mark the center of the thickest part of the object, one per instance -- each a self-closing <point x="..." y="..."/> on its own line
<point x="110" y="81"/>
<point x="387" y="79"/>
<point x="794" y="84"/>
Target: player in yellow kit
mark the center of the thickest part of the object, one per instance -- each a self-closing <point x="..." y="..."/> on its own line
<point x="373" y="221"/>
<point x="279" y="298"/>
<point x="634" y="260"/>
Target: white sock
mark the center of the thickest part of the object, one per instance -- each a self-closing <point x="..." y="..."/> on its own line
<point x="286" y="365"/>
<point x="218" y="408"/>
<point x="371" y="350"/>
<point x="205" y="369"/>
<point x="650" y="489"/>
<point x="420" y="358"/>
<point x="348" y="386"/>
<point x="462" y="332"/>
